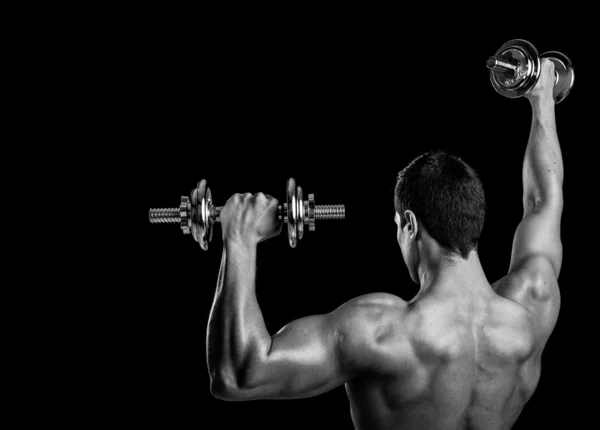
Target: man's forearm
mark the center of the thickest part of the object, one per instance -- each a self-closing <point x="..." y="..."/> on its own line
<point x="542" y="165"/>
<point x="237" y="336"/>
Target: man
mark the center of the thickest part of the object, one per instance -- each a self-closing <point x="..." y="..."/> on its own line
<point x="461" y="354"/>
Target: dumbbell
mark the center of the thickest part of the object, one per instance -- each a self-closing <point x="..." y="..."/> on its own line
<point x="197" y="214"/>
<point x="516" y="66"/>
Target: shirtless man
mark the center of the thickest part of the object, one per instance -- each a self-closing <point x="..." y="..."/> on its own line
<point x="462" y="354"/>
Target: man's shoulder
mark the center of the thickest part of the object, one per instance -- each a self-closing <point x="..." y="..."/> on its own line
<point x="364" y="316"/>
<point x="532" y="274"/>
<point x="371" y="330"/>
<point x="384" y="300"/>
<point x="372" y="307"/>
<point x="534" y="287"/>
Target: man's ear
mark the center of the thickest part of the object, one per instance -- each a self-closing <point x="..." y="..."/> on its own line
<point x="413" y="225"/>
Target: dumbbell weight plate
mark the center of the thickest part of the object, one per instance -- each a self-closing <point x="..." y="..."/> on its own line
<point x="300" y="213"/>
<point x="525" y="55"/>
<point x="565" y="74"/>
<point x="201" y="221"/>
<point x="292" y="208"/>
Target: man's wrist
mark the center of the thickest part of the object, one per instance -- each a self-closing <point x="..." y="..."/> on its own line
<point x="543" y="110"/>
<point x="240" y="243"/>
<point x="542" y="103"/>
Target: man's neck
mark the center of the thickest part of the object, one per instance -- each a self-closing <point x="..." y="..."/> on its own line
<point x="452" y="275"/>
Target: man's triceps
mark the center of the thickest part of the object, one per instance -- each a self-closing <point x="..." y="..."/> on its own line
<point x="303" y="361"/>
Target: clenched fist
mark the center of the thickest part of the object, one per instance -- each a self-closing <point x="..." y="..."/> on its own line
<point x="250" y="219"/>
<point x="544" y="87"/>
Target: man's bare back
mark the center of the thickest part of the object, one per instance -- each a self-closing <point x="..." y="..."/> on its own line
<point x="459" y="362"/>
<point x="463" y="354"/>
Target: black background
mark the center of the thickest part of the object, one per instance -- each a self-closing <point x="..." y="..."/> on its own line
<point x="341" y="106"/>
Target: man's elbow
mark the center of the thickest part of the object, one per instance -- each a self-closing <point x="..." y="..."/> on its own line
<point x="540" y="202"/>
<point x="241" y="384"/>
<point x="224" y="389"/>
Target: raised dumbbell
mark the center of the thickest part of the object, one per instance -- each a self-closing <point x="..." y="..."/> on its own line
<point x="515" y="69"/>
<point x="197" y="214"/>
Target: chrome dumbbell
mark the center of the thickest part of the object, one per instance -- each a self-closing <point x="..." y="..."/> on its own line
<point x="197" y="214"/>
<point x="515" y="69"/>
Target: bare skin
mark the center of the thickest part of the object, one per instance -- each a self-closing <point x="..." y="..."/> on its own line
<point x="462" y="354"/>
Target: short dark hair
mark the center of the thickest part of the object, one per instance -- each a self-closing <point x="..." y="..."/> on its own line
<point x="446" y="195"/>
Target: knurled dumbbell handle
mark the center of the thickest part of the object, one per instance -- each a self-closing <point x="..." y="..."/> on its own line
<point x="499" y="65"/>
<point x="321" y="212"/>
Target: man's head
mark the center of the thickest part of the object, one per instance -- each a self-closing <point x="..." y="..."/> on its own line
<point x="439" y="200"/>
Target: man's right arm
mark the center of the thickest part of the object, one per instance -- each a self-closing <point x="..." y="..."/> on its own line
<point x="537" y="249"/>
